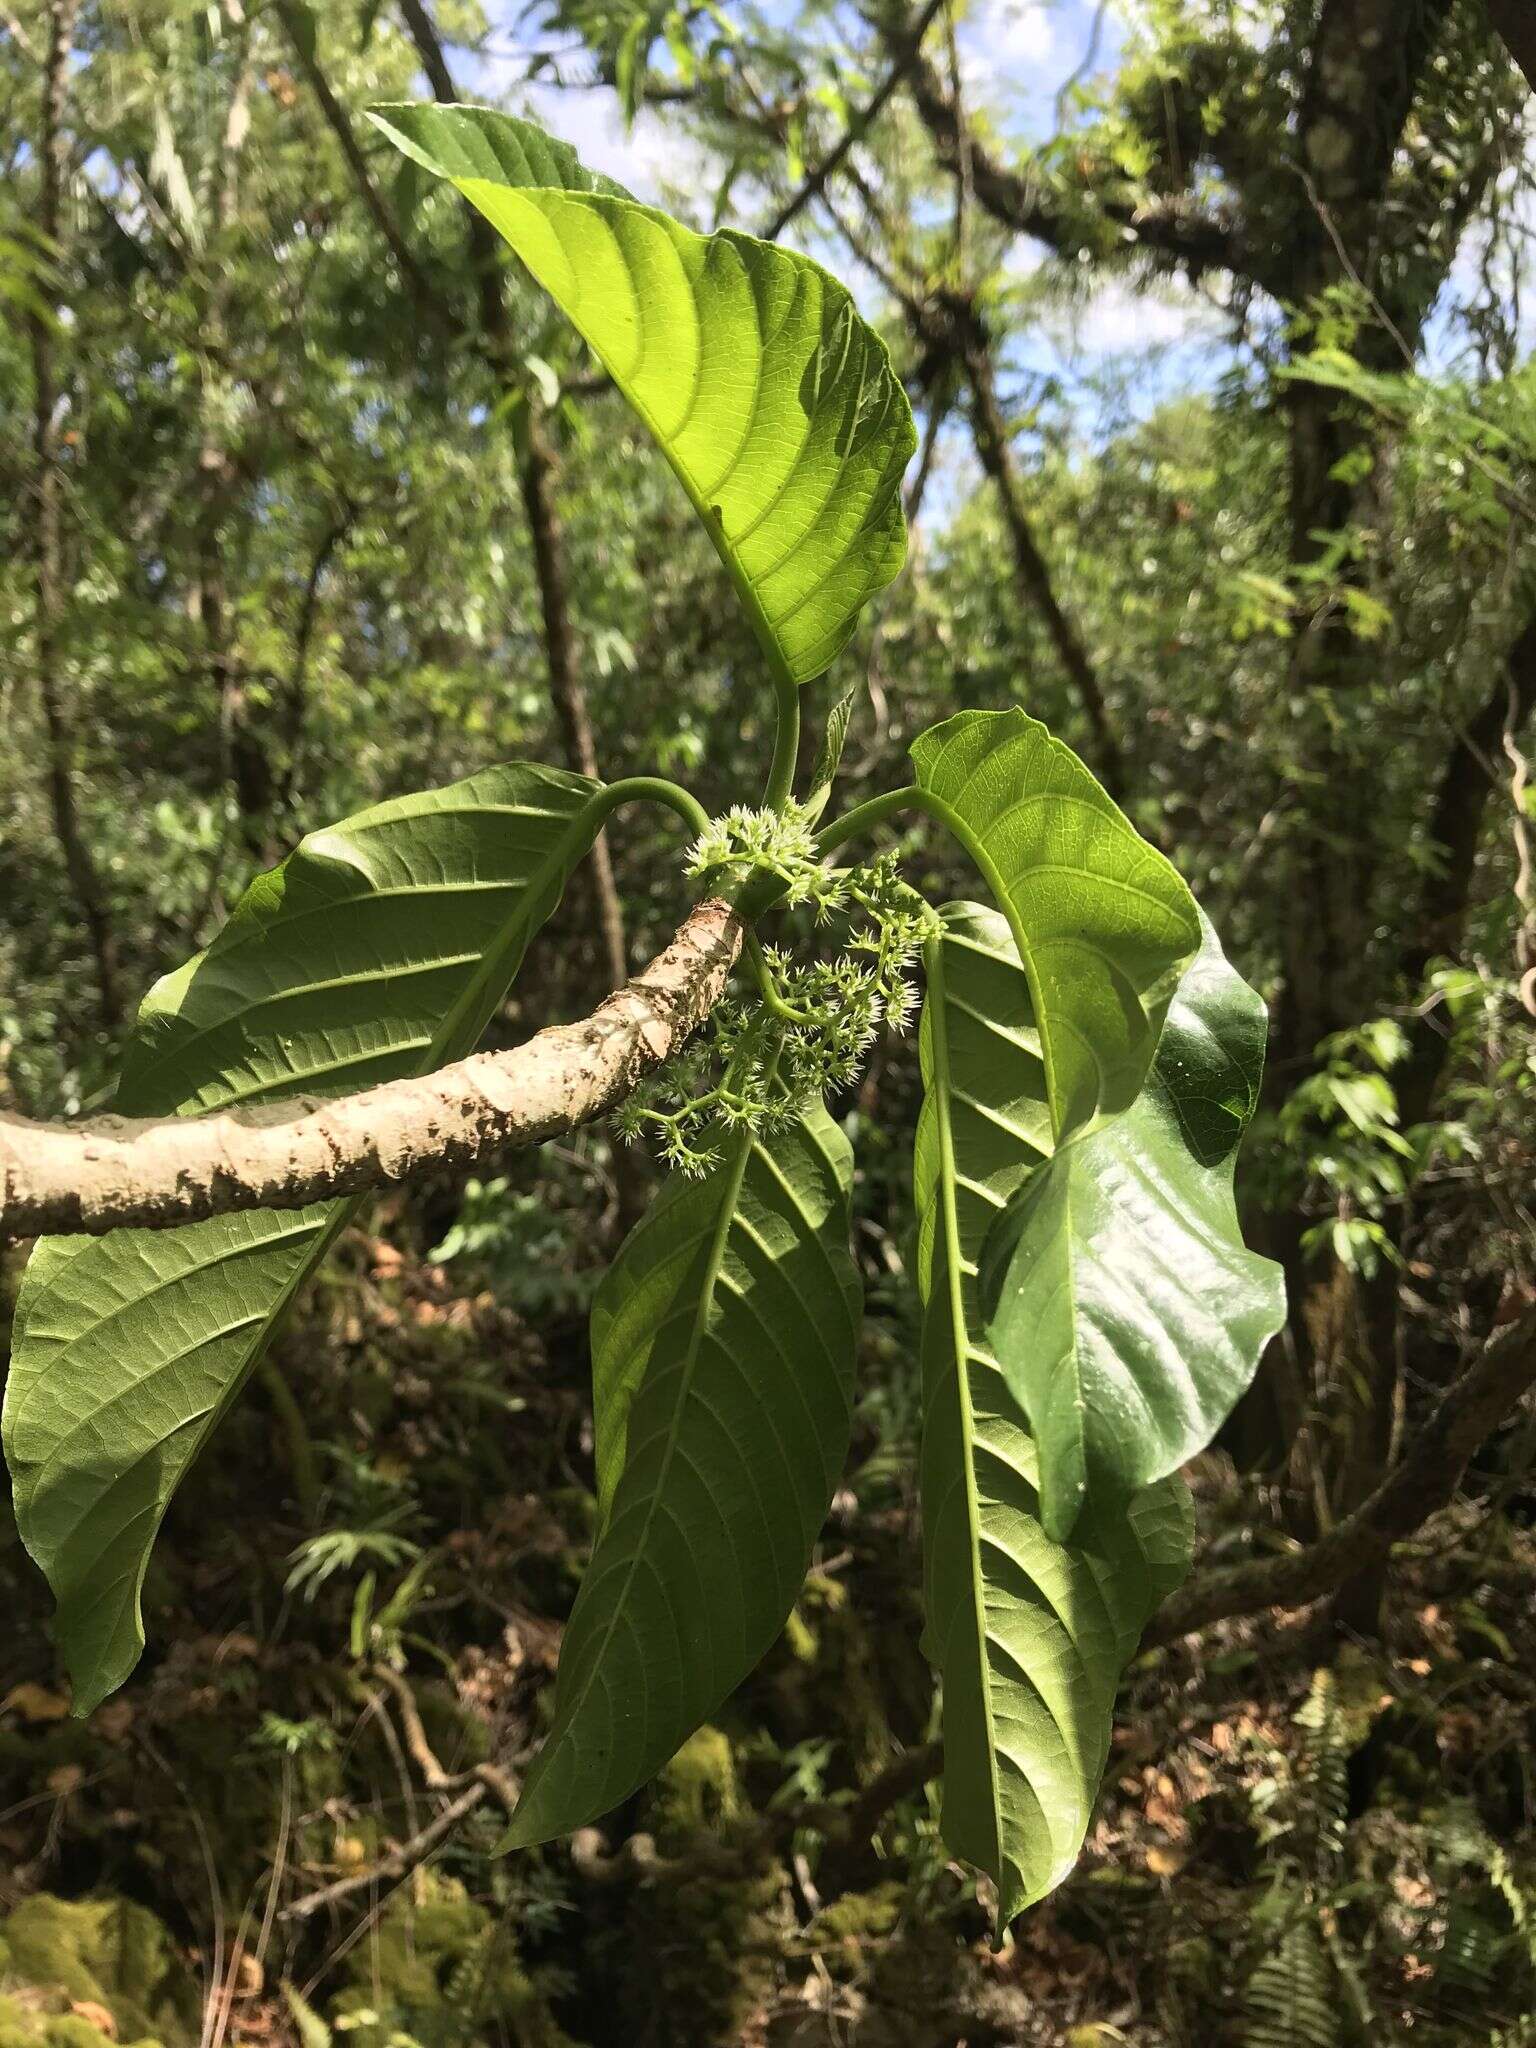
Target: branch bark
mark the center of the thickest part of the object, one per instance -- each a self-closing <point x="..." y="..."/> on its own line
<point x="1422" y="1483"/>
<point x="114" y="1171"/>
<point x="1176" y="231"/>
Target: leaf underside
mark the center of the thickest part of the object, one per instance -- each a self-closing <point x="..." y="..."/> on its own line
<point x="379" y="949"/>
<point x="1103" y="923"/>
<point x="1029" y="1637"/>
<point x="723" y="1344"/>
<point x="773" y="401"/>
<point x="1126" y="1311"/>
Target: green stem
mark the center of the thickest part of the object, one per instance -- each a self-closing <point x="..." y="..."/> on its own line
<point x="653" y="789"/>
<point x="773" y="1001"/>
<point x="786" y="747"/>
<point x="864" y="817"/>
<point x="914" y="798"/>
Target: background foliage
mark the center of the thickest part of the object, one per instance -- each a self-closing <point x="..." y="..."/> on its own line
<point x="1217" y="335"/>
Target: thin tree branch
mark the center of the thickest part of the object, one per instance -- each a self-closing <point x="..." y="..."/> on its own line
<point x="1175" y="230"/>
<point x="1033" y="572"/>
<point x="398" y="1864"/>
<point x="906" y="49"/>
<point x="1455" y="829"/>
<point x="113" y="1171"/>
<point x="301" y="37"/>
<point x="1424" y="1482"/>
<point x="534" y="476"/>
<point x="425" y="1758"/>
<point x="486" y="249"/>
<point x="296" y="688"/>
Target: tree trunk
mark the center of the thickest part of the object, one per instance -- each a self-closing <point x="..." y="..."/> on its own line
<point x="1031" y="574"/>
<point x="79" y="862"/>
<point x="535" y="477"/>
<point x="1366" y="61"/>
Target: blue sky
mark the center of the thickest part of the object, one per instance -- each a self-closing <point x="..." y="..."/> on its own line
<point x="1017" y="55"/>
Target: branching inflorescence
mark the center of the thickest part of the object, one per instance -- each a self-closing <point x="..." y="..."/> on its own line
<point x="809" y="1028"/>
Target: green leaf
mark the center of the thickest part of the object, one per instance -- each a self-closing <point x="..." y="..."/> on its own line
<point x="1103" y="924"/>
<point x="722" y="1356"/>
<point x="773" y="401"/>
<point x="1125" y="1310"/>
<point x="1029" y="1636"/>
<point x="829" y="754"/>
<point x="380" y="948"/>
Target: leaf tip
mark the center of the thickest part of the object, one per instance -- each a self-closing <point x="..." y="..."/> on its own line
<point x="1061" y="1501"/>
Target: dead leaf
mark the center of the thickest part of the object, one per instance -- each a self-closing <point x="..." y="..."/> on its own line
<point x="95" y="2016"/>
<point x="236" y="1648"/>
<point x="35" y="1703"/>
<point x="113" y="1720"/>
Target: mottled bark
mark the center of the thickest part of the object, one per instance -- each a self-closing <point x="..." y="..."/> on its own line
<point x="114" y="1171"/>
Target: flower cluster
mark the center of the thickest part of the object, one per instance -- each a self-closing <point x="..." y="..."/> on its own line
<point x="808" y="1027"/>
<point x="745" y="842"/>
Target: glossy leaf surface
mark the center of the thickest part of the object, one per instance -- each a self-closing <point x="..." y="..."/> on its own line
<point x="723" y="1353"/>
<point x="1029" y="1636"/>
<point x="1103" y="923"/>
<point x="1125" y="1309"/>
<point x="772" y="399"/>
<point x="379" y="948"/>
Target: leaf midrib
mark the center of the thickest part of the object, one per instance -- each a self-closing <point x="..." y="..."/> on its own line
<point x="762" y="626"/>
<point x="960" y="1355"/>
<point x="131" y="1583"/>
<point x="719" y="1237"/>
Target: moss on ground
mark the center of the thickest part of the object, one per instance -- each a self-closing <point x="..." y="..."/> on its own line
<point x="65" y="1963"/>
<point x="442" y="1970"/>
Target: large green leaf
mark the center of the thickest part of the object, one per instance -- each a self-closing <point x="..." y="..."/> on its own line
<point x="1029" y="1636"/>
<point x="1102" y="922"/>
<point x="723" y="1354"/>
<point x="771" y="398"/>
<point x="1124" y="1308"/>
<point x="379" y="948"/>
